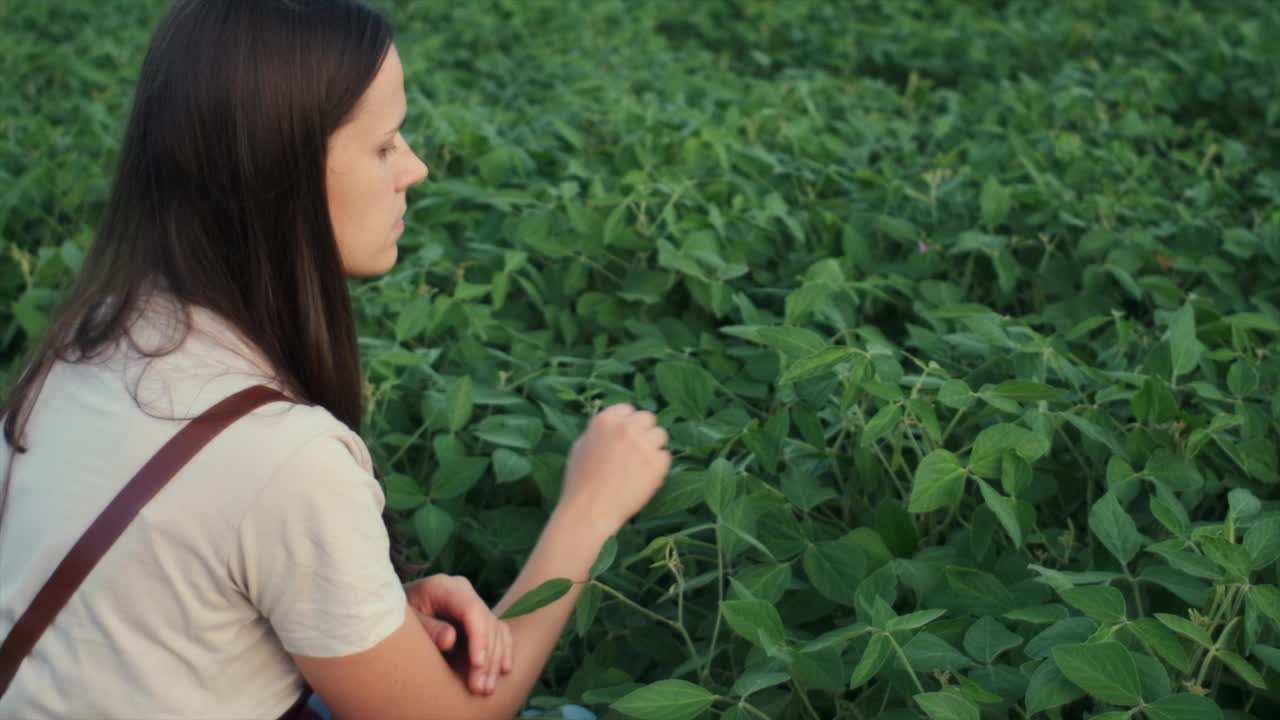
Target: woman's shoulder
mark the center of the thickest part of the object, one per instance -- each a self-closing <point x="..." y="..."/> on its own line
<point x="287" y="429"/>
<point x="205" y="359"/>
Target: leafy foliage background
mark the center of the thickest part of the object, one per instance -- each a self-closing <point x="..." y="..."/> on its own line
<point x="962" y="316"/>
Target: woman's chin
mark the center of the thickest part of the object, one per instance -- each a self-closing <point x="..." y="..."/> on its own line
<point x="373" y="267"/>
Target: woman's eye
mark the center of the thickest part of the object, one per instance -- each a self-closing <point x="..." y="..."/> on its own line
<point x="386" y="151"/>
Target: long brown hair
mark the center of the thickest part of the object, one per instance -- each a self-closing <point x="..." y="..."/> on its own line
<point x="219" y="195"/>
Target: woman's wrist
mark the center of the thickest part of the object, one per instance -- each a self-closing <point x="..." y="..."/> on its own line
<point x="581" y="522"/>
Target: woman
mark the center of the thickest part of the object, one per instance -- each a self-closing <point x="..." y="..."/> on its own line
<point x="261" y="166"/>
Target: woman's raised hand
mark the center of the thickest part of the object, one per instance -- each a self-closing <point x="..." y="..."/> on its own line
<point x="615" y="467"/>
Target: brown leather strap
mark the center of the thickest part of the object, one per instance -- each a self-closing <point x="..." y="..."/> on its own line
<point x="111" y="523"/>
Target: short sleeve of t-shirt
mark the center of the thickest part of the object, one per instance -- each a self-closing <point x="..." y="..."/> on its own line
<point x="313" y="555"/>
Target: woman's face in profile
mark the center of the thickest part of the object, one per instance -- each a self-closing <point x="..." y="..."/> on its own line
<point x="369" y="168"/>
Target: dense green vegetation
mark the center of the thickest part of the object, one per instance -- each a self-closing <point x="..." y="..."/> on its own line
<point x="963" y="318"/>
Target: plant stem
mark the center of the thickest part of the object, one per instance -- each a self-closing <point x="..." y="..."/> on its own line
<point x="905" y="663"/>
<point x="804" y="697"/>
<point x="951" y="426"/>
<point x="407" y="444"/>
<point x="1137" y="592"/>
<point x="715" y="631"/>
<point x="1213" y="652"/>
<point x="693" y="652"/>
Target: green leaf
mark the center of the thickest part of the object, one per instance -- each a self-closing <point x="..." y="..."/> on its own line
<point x="1113" y="526"/>
<point x="1005" y="510"/>
<point x="1242" y="668"/>
<point x="839" y="638"/>
<point x="766" y="582"/>
<point x="1039" y="614"/>
<point x="1266" y="598"/>
<point x="754" y="618"/>
<point x="872" y="660"/>
<point x="1092" y="431"/>
<point x="1232" y="558"/>
<point x="766" y="442"/>
<point x="979" y="591"/>
<point x="1174" y="471"/>
<point x="882" y="422"/>
<point x="993" y="442"/>
<point x="459" y="403"/>
<point x="1102" y="603"/>
<point x="897" y="228"/>
<point x="1169" y="511"/>
<point x="757" y="680"/>
<point x="1262" y="542"/>
<point x="1153" y="676"/>
<point x="1183" y="706"/>
<point x="793" y="342"/>
<point x="897" y="528"/>
<point x="665" y="700"/>
<point x="1161" y="640"/>
<point x="835" y="568"/>
<point x="1105" y="670"/>
<point x="1049" y="688"/>
<point x="604" y="561"/>
<point x="1242" y="379"/>
<point x="955" y="394"/>
<point x="681" y="491"/>
<point x="584" y="613"/>
<point x="1027" y="391"/>
<point x="805" y="489"/>
<point x="1243" y="504"/>
<point x="816" y="364"/>
<point x="1268" y="655"/>
<point x="987" y="638"/>
<point x="946" y="706"/>
<point x="995" y="202"/>
<point x="929" y="653"/>
<point x="1186" y="628"/>
<point x="686" y="386"/>
<point x="1015" y="474"/>
<point x="539" y="597"/>
<point x="509" y="466"/>
<point x="1186" y="562"/>
<point x="723" y="485"/>
<point x="913" y="621"/>
<point x="1185" y="347"/>
<point x="516" y="431"/>
<point x="821" y="670"/>
<point x="456" y="476"/>
<point x="414" y="317"/>
<point x="1070" y="630"/>
<point x="433" y="527"/>
<point x="939" y="482"/>
<point x="402" y="492"/>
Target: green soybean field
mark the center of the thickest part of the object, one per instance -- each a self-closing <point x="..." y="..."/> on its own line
<point x="963" y="318"/>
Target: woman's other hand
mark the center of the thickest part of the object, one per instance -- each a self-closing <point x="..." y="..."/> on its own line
<point x="442" y="600"/>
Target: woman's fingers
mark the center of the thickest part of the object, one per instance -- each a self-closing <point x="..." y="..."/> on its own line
<point x="495" y="654"/>
<point x="658" y="436"/>
<point x="508" y="661"/>
<point x="442" y="633"/>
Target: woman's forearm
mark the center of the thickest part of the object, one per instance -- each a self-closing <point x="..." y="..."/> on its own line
<point x="567" y="548"/>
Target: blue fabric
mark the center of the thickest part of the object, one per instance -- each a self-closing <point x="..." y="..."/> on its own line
<point x="316" y="704"/>
<point x="568" y="712"/>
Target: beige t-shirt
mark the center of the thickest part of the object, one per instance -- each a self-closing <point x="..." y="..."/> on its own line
<point x="270" y="541"/>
